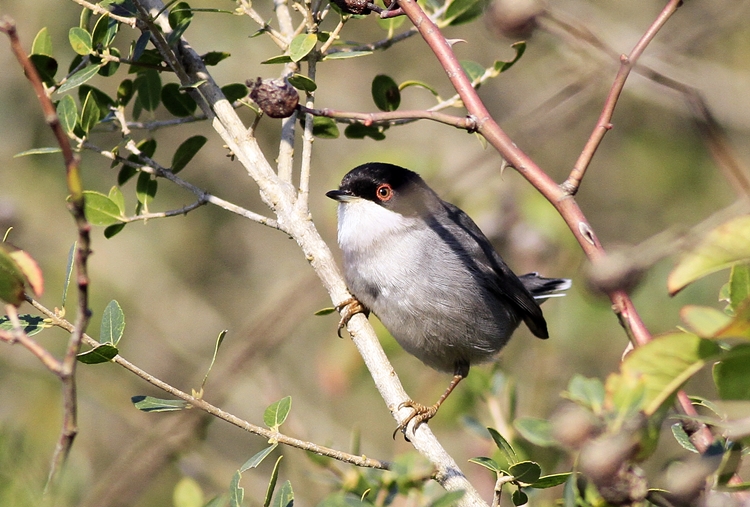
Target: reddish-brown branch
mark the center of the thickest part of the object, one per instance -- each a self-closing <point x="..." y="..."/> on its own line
<point x="561" y="200"/>
<point x="604" y="123"/>
<point x="67" y="369"/>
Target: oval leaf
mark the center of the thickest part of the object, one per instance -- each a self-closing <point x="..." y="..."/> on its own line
<point x="113" y="324"/>
<point x="30" y="324"/>
<point x="303" y="83"/>
<point x="234" y="91"/>
<point x="11" y="279"/>
<point x="721" y="248"/>
<point x="527" y="472"/>
<point x="285" y="496"/>
<point x="67" y="112"/>
<point x="536" y="431"/>
<point x="176" y="101"/>
<point x="342" y="55"/>
<point x="277" y="412"/>
<point x="550" y="481"/>
<point x="488" y="463"/>
<point x="46" y="66"/>
<point x="30" y="269"/>
<point x="148" y="85"/>
<point x="301" y="46"/>
<point x="732" y="375"/>
<point x="79" y="78"/>
<point x="100" y="210"/>
<point x="187" y="493"/>
<point x="186" y="151"/>
<point x="151" y="404"/>
<point x="42" y="44"/>
<point x="90" y="113"/>
<point x="80" y="40"/>
<point x="101" y="354"/>
<point x="145" y="188"/>
<point x="385" y="93"/>
<point x="325" y="128"/>
<point x="505" y="448"/>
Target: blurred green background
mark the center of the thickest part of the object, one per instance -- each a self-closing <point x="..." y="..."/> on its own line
<point x="180" y="281"/>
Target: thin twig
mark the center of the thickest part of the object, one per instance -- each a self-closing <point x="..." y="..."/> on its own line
<point x="394" y="117"/>
<point x="76" y="208"/>
<point x="307" y="141"/>
<point x="165" y="214"/>
<point x="603" y="124"/>
<point x="278" y="38"/>
<point x="361" y="461"/>
<point x="97" y="9"/>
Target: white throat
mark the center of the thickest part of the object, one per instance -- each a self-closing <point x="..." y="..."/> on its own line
<point x="363" y="223"/>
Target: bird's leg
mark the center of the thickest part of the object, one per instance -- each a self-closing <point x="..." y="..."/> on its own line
<point x="349" y="309"/>
<point x="423" y="413"/>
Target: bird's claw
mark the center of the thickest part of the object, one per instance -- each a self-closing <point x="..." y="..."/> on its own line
<point x="349" y="309"/>
<point x="421" y="414"/>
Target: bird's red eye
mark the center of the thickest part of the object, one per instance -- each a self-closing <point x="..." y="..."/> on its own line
<point x="384" y="192"/>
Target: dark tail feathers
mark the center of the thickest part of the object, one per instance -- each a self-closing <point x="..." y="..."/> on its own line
<point x="543" y="288"/>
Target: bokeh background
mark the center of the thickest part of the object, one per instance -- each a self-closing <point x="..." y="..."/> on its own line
<point x="180" y="281"/>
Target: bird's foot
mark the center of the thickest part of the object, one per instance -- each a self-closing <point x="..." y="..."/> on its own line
<point x="420" y="415"/>
<point x="349" y="309"/>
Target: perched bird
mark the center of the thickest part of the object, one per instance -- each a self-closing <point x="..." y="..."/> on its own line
<point x="424" y="268"/>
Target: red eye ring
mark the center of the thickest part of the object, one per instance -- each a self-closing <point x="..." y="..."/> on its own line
<point x="384" y="192"/>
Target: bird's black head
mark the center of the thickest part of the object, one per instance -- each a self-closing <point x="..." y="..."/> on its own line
<point x="388" y="185"/>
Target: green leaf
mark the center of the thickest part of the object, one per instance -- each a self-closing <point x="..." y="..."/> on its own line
<point x="42" y="44"/>
<point x="537" y="431"/>
<point x="179" y="19"/>
<point x="103" y="101"/>
<point x="303" y="83"/>
<point x="301" y="46"/>
<point x="30" y="324"/>
<point x="236" y="492"/>
<point x="11" y="279"/>
<point x="739" y="285"/>
<point x="99" y="209"/>
<point x="463" y="11"/>
<point x="126" y="173"/>
<point x="277" y="59"/>
<point x="80" y="40"/>
<point x="67" y="112"/>
<point x="113" y="324"/>
<point x="277" y="412"/>
<point x="325" y="128"/>
<point x="104" y="32"/>
<point x="147" y="147"/>
<point x="663" y="365"/>
<point x="588" y="392"/>
<point x="109" y="68"/>
<point x="682" y="437"/>
<point x="214" y="57"/>
<point x="704" y="321"/>
<point x="258" y="458"/>
<point x="115" y="194"/>
<point x="473" y="70"/>
<point x="732" y="375"/>
<point x="140" y="45"/>
<point x="46" y="66"/>
<point x="219" y="341"/>
<point x="419" y="84"/>
<point x="285" y="496"/>
<point x="148" y="86"/>
<point x="519" y="497"/>
<point x="38" y="151"/>
<point x="69" y="271"/>
<point x="342" y="55"/>
<point x="90" y="113"/>
<point x="527" y="472"/>
<point x="272" y="482"/>
<point x="723" y="247"/>
<point x="325" y="311"/>
<point x="151" y="404"/>
<point x="505" y="448"/>
<point x="186" y="151"/>
<point x="125" y="92"/>
<point x="100" y="354"/>
<point x="145" y="188"/>
<point x="488" y="463"/>
<point x="234" y="91"/>
<point x="112" y="230"/>
<point x="385" y="93"/>
<point x="550" y="481"/>
<point x="360" y="131"/>
<point x="78" y="78"/>
<point x="501" y="66"/>
<point x="176" y="101"/>
<point x="448" y="499"/>
<point x="187" y="493"/>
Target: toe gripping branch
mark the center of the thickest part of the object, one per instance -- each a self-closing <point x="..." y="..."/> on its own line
<point x="348" y="309"/>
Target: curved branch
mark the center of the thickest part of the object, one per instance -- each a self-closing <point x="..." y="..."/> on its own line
<point x="395" y="117"/>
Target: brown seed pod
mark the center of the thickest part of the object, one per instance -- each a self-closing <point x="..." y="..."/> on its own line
<point x="275" y="97"/>
<point x="354" y="6"/>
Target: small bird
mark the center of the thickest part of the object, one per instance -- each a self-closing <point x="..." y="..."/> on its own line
<point x="424" y="268"/>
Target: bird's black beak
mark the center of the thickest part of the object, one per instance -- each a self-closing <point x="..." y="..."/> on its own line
<point x="339" y="195"/>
